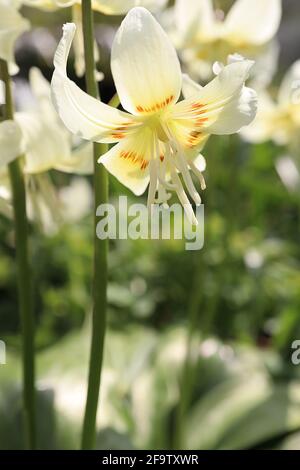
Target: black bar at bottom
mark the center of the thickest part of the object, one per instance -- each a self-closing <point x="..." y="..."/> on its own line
<point x="137" y="458"/>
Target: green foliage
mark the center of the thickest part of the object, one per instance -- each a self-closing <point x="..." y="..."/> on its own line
<point x="244" y="285"/>
<point x="240" y="400"/>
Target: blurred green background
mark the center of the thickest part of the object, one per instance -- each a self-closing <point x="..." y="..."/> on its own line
<point x="244" y="287"/>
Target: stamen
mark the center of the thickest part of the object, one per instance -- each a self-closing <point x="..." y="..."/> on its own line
<point x="162" y="176"/>
<point x="166" y="184"/>
<point x="163" y="195"/>
<point x="174" y="158"/>
<point x="179" y="188"/>
<point x="183" y="198"/>
<point x="199" y="174"/>
<point x="183" y="167"/>
<point x="153" y="175"/>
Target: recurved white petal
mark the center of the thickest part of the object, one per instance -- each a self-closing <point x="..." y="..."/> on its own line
<point x="11" y="142"/>
<point x="129" y="161"/>
<point x="144" y="64"/>
<point x="239" y="112"/>
<point x="83" y="115"/>
<point x="254" y="22"/>
<point x="223" y="106"/>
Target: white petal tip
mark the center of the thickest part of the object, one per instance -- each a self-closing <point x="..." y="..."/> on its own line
<point x="217" y="68"/>
<point x="136" y="14"/>
<point x="69" y="28"/>
<point x="138" y="10"/>
<point x="235" y="58"/>
<point x="64" y="46"/>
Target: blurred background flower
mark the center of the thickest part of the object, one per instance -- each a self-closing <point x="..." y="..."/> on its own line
<point x="279" y="119"/>
<point x="12" y="25"/>
<point x="206" y="34"/>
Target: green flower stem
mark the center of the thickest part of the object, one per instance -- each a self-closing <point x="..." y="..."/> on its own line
<point x="23" y="277"/>
<point x="189" y="371"/>
<point x="100" y="251"/>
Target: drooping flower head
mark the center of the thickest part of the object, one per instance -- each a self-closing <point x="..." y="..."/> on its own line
<point x="159" y="138"/>
<point x="12" y="25"/>
<point x="204" y="36"/>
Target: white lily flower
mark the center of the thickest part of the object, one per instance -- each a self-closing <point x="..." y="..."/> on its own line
<point x="37" y="133"/>
<point x="157" y="138"/>
<point x="248" y="29"/>
<point x="279" y="120"/>
<point x="12" y="25"/>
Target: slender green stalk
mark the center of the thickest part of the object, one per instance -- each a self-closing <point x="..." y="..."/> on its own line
<point x="23" y="277"/>
<point x="188" y="368"/>
<point x="100" y="251"/>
